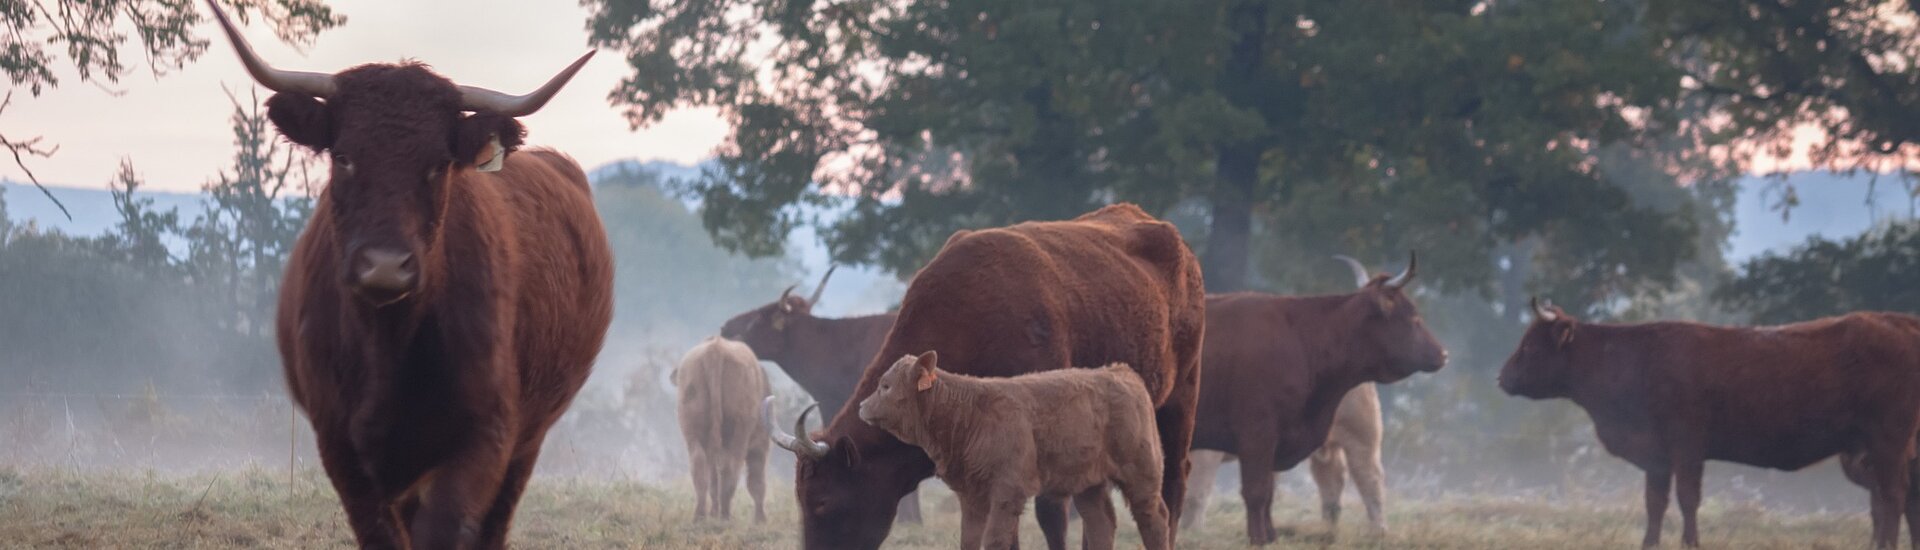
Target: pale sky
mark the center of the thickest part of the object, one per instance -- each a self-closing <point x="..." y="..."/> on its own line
<point x="175" y="129"/>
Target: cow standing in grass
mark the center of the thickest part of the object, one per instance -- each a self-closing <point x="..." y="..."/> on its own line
<point x="1669" y="396"/>
<point x="1001" y="441"/>
<point x="720" y="387"/>
<point x="1278" y="367"/>
<point x="444" y="303"/>
<point x="1352" y="448"/>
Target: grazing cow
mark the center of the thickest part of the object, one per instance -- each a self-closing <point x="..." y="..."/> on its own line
<point x="1353" y="447"/>
<point x="720" y="385"/>
<point x="1115" y="285"/>
<point x="825" y="356"/>
<point x="1278" y="367"/>
<point x="1669" y="396"/>
<point x="444" y="303"/>
<point x="1000" y="441"/>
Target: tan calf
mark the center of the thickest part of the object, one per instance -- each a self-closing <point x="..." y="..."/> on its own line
<point x="721" y="386"/>
<point x="1352" y="448"/>
<point x="999" y="442"/>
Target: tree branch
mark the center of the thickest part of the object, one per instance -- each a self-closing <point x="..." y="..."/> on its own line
<point x="30" y="147"/>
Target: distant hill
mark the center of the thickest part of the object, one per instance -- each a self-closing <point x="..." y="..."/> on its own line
<point x="92" y="209"/>
<point x="854" y="291"/>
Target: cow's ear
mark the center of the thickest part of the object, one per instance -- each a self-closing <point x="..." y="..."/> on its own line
<point x="302" y="119"/>
<point x="1383" y="304"/>
<point x="924" y="369"/>
<point x="852" y="452"/>
<point x="473" y="138"/>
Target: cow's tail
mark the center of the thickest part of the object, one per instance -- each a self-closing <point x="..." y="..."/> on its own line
<point x="724" y="429"/>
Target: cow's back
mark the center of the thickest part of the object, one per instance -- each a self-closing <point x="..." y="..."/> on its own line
<point x="720" y="386"/>
<point x="565" y="274"/>
<point x="1781" y="397"/>
<point x="1112" y="286"/>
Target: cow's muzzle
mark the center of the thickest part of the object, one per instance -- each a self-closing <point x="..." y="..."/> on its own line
<point x="384" y="275"/>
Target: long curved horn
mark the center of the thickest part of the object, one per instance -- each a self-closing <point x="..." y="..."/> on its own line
<point x="1406" y="275"/>
<point x="784" y="306"/>
<point x="815" y="300"/>
<point x="1542" y="313"/>
<point x="804" y="449"/>
<point x="489" y="101"/>
<point x="292" y="82"/>
<point x="1360" y="276"/>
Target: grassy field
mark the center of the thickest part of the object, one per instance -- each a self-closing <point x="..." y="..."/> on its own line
<point x="265" y="509"/>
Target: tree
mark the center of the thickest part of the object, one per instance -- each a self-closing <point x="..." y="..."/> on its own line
<point x="1460" y="118"/>
<point x="140" y="237"/>
<point x="251" y="218"/>
<point x="1841" y="66"/>
<point x="93" y="33"/>
<point x="1873" y="271"/>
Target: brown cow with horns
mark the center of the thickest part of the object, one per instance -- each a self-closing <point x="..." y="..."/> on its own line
<point x="1114" y="285"/>
<point x="1278" y="367"/>
<point x="1669" y="396"/>
<point x="443" y="305"/>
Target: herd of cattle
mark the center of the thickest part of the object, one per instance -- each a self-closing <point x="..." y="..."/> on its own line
<point x="448" y="298"/>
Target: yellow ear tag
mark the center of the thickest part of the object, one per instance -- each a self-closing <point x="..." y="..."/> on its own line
<point x="493" y="163"/>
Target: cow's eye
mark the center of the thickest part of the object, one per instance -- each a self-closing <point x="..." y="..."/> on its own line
<point x="885" y="387"/>
<point x="340" y="160"/>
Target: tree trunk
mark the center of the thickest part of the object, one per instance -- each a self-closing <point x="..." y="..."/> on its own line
<point x="1225" y="260"/>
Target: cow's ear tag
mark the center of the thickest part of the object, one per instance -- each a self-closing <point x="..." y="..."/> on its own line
<point x="497" y="158"/>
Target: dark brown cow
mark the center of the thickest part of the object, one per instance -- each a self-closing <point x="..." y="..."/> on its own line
<point x="1114" y="285"/>
<point x="1001" y="441"/>
<point x="825" y="356"/>
<point x="720" y="389"/>
<point x="435" y="319"/>
<point x="1277" y="368"/>
<point x="1669" y="396"/>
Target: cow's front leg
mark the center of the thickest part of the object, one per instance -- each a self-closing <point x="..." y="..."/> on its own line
<point x="1097" y="520"/>
<point x="974" y="507"/>
<point x="370" y="513"/>
<point x="462" y="492"/>
<point x="1688" y="468"/>
<point x="1887" y="464"/>
<point x="1003" y="519"/>
<point x="1659" y="485"/>
<point x="1051" y="514"/>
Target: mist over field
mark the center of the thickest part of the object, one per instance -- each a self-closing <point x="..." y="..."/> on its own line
<point x="188" y="409"/>
<point x="1743" y="163"/>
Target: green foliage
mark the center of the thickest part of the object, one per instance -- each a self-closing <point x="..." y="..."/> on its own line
<point x="1873" y="271"/>
<point x="1843" y="66"/>
<point x="249" y="223"/>
<point x="1371" y="128"/>
<point x="92" y="33"/>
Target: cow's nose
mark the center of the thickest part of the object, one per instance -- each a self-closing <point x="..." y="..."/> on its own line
<point x="384" y="271"/>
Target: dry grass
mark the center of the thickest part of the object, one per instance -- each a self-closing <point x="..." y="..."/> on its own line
<point x="263" y="509"/>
